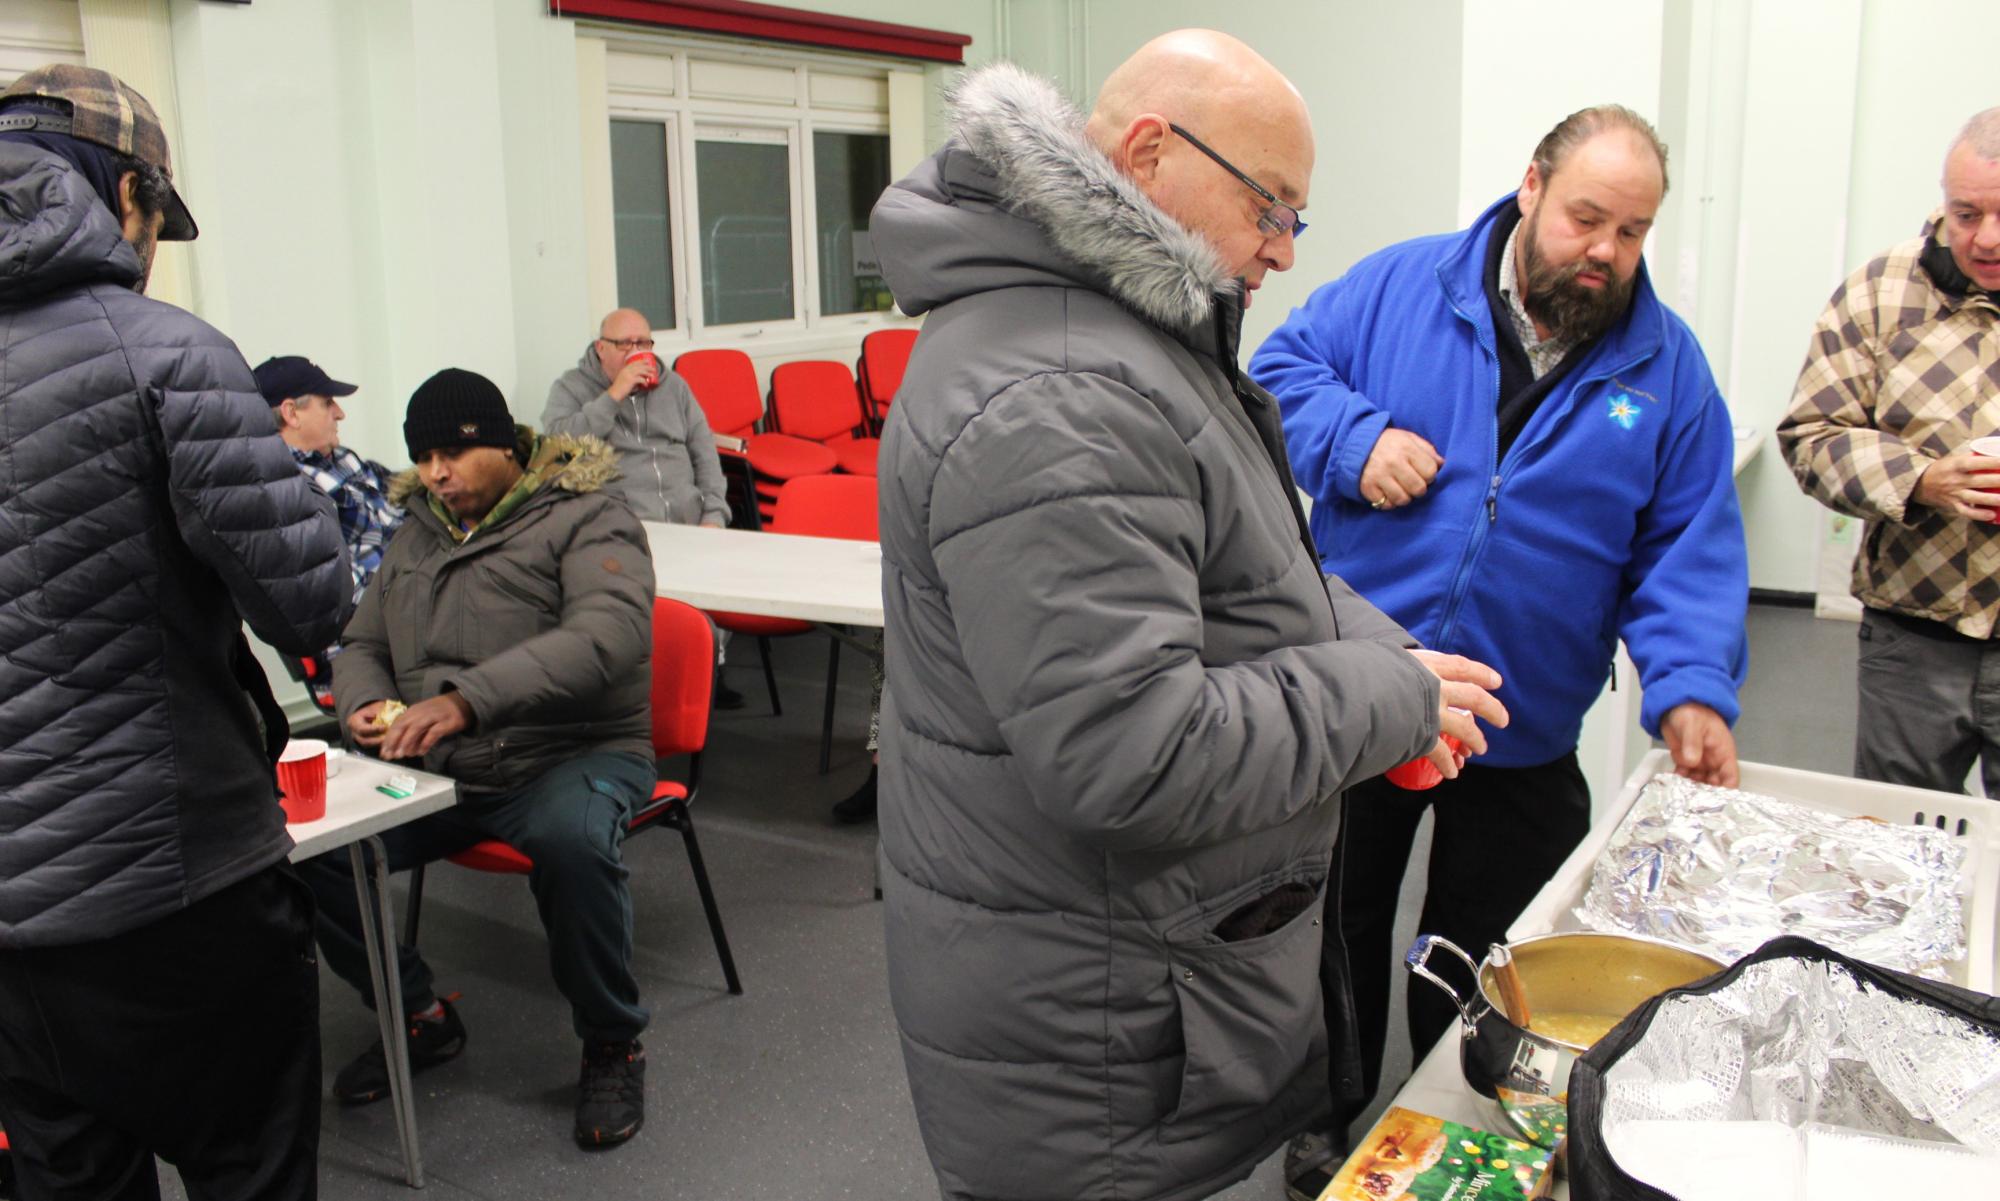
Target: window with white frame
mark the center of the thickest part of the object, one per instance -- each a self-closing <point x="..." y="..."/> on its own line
<point x="741" y="185"/>
<point x="34" y="33"/>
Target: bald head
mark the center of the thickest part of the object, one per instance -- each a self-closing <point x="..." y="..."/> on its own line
<point x="624" y="323"/>
<point x="1227" y="96"/>
<point x="1195" y="77"/>
<point x="620" y="325"/>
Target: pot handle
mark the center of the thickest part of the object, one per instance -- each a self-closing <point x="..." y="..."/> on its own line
<point x="1418" y="962"/>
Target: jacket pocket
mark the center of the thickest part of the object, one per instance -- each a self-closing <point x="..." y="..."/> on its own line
<point x="1251" y="1017"/>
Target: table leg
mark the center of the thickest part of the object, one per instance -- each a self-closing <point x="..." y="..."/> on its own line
<point x="378" y="929"/>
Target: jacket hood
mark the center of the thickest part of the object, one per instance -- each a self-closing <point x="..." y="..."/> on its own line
<point x="575" y="463"/>
<point x="54" y="231"/>
<point x="1020" y="197"/>
<point x="591" y="368"/>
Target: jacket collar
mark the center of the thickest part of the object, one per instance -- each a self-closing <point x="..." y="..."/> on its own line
<point x="1953" y="288"/>
<point x="1047" y="171"/>
<point x="1462" y="274"/>
<point x="557" y="464"/>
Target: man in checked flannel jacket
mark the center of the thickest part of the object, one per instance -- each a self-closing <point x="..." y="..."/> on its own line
<point x="1903" y="372"/>
<point x="305" y="402"/>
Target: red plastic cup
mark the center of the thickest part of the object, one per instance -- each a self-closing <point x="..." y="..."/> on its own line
<point x="1419" y="774"/>
<point x="302" y="780"/>
<point x="652" y="362"/>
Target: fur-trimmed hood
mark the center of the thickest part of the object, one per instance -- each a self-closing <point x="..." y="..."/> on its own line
<point x="570" y="462"/>
<point x="1020" y="196"/>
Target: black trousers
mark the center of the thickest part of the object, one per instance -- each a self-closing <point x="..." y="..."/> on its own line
<point x="1501" y="833"/>
<point x="194" y="1039"/>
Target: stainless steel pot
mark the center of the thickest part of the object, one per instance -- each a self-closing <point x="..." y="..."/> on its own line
<point x="1527" y="1071"/>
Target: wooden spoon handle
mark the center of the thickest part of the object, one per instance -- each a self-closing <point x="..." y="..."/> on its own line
<point x="1513" y="997"/>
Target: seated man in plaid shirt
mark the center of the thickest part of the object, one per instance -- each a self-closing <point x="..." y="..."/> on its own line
<point x="304" y="401"/>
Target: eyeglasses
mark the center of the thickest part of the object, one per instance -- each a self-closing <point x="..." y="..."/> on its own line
<point x="1280" y="218"/>
<point x="628" y="345"/>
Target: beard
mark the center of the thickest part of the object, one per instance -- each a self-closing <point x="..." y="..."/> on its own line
<point x="147" y="244"/>
<point x="1551" y="294"/>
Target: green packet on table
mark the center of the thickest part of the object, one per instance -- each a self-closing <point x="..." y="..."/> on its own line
<point x="1411" y="1156"/>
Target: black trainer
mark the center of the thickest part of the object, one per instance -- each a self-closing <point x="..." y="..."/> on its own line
<point x="724" y="697"/>
<point x="1310" y="1163"/>
<point x="611" y="1093"/>
<point x="432" y="1041"/>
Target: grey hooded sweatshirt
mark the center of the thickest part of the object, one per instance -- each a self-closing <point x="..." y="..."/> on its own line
<point x="668" y="469"/>
<point x="1122" y="701"/>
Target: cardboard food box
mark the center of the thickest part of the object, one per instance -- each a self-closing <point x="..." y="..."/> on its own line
<point x="1411" y="1156"/>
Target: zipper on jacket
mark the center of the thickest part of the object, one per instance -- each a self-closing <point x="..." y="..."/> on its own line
<point x="653" y="453"/>
<point x="1462" y="578"/>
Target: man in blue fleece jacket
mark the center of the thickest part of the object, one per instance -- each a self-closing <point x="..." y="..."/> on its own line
<point x="1518" y="452"/>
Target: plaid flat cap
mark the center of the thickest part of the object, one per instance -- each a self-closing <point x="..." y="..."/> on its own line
<point x="102" y="109"/>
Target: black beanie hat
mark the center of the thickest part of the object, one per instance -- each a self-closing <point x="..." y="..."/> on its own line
<point x="457" y="408"/>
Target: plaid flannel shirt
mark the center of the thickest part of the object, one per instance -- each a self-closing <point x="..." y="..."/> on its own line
<point x="1899" y="374"/>
<point x="360" y="490"/>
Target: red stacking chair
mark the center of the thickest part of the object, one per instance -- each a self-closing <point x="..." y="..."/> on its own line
<point x="825" y="506"/>
<point x="725" y="385"/>
<point x="884" y="355"/>
<point x="817" y="399"/>
<point x="683" y="678"/>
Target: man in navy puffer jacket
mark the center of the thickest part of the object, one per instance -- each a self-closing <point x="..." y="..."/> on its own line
<point x="1519" y="453"/>
<point x="158" y="992"/>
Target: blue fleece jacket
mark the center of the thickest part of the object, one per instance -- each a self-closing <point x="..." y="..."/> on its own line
<point x="1613" y="514"/>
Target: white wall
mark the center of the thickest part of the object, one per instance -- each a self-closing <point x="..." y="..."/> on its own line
<point x="1382" y="82"/>
<point x="1529" y="64"/>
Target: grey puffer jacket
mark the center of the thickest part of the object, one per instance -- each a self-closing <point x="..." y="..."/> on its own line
<point x="543" y="620"/>
<point x="668" y="468"/>
<point x="1122" y="703"/>
<point x="147" y="510"/>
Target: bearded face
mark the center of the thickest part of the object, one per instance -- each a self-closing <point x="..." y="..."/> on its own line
<point x="1576" y="300"/>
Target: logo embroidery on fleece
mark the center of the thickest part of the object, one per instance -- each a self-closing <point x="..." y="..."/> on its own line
<point x="1623" y="411"/>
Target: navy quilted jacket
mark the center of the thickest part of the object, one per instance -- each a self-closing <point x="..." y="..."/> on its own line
<point x="147" y="508"/>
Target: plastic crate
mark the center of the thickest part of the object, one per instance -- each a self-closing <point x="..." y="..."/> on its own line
<point x="1975" y="820"/>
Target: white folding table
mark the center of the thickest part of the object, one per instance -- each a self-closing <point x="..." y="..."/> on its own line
<point x="357" y="813"/>
<point x="831" y="581"/>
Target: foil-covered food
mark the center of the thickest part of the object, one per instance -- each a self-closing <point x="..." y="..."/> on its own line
<point x="1723" y="871"/>
<point x="1796" y="1046"/>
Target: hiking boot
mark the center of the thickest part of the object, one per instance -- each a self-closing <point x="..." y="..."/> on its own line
<point x="611" y="1093"/>
<point x="432" y="1041"/>
<point x="1310" y="1162"/>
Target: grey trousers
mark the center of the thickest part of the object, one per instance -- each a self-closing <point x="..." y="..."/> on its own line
<point x="1929" y="708"/>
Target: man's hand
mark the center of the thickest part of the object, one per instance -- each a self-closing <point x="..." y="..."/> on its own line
<point x="1399" y="469"/>
<point x="1466" y="696"/>
<point x="425" y="724"/>
<point x="1703" y="748"/>
<point x="1964" y="484"/>
<point x="361" y="724"/>
<point x="635" y="376"/>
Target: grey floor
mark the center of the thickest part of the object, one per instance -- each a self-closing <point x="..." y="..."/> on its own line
<point x="794" y="1089"/>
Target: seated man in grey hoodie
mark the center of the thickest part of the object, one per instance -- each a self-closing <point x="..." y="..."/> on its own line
<point x="666" y="453"/>
<point x="668" y="469"/>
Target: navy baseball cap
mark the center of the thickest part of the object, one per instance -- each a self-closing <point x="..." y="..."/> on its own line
<point x="290" y="376"/>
